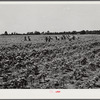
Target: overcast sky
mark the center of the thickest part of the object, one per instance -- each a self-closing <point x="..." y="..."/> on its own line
<point x="52" y="17"/>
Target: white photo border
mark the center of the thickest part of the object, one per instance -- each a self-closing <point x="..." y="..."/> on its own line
<point x="50" y="93"/>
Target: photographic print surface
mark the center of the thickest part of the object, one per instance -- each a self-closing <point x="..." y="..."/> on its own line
<point x="49" y="46"/>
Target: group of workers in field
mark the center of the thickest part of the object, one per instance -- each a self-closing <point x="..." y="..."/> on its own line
<point x="49" y="38"/>
<point x="62" y="37"/>
<point x="27" y="38"/>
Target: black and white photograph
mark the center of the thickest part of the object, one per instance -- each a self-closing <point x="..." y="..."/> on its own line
<point x="50" y="46"/>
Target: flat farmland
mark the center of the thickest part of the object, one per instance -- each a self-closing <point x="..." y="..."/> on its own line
<point x="13" y="39"/>
<point x="58" y="64"/>
<point x="8" y="39"/>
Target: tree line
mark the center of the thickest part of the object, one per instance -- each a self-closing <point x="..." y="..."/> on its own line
<point x="54" y="33"/>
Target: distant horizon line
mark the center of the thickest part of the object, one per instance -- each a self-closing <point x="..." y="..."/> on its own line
<point x="50" y="31"/>
<point x="53" y="33"/>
